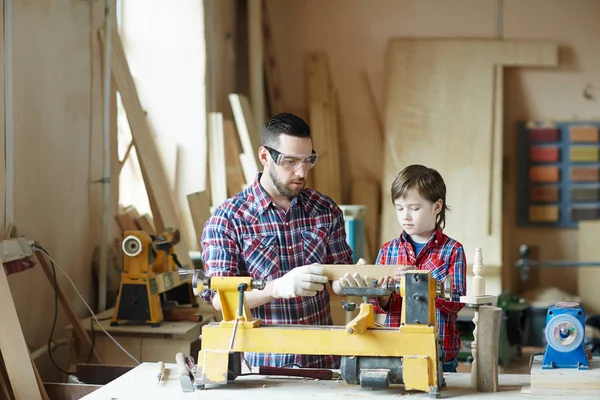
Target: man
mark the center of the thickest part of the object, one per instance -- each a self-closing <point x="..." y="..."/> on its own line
<point x="276" y="229"/>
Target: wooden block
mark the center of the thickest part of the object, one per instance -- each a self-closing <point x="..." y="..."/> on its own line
<point x="543" y="174"/>
<point x="584" y="213"/>
<point x="543" y="213"/>
<point x="584" y="153"/>
<point x="585" y="174"/>
<point x="583" y="134"/>
<point x="543" y="135"/>
<point x="585" y="194"/>
<point x="565" y="381"/>
<point x="544" y="193"/>
<point x="544" y="154"/>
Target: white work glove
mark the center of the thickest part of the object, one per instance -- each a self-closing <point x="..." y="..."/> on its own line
<point x="300" y="281"/>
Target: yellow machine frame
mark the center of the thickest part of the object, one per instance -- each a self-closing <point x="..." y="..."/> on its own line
<point x="417" y="342"/>
<point x="149" y="269"/>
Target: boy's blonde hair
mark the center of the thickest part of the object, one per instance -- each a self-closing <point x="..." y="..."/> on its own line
<point x="428" y="183"/>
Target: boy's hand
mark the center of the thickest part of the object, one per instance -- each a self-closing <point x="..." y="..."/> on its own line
<point x="384" y="280"/>
<point x="355" y="280"/>
<point x="401" y="271"/>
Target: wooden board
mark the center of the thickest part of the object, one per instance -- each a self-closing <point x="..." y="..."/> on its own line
<point x="13" y="347"/>
<point x="235" y="174"/>
<point x="441" y="95"/>
<point x="216" y="159"/>
<point x="146" y="147"/>
<point x="337" y="271"/>
<point x="200" y="210"/>
<point x="565" y="381"/>
<point x="249" y="137"/>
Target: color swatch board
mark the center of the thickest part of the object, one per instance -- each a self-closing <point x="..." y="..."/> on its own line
<point x="558" y="174"/>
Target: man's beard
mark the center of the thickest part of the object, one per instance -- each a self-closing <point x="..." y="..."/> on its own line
<point x="284" y="188"/>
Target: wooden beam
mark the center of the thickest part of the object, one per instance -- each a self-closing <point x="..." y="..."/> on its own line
<point x="200" y="209"/>
<point x="148" y="152"/>
<point x="216" y="156"/>
<point x="79" y="331"/>
<point x="13" y="347"/>
<point x="125" y="156"/>
<point x="337" y="271"/>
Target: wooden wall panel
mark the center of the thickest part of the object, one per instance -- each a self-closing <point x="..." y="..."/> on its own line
<point x="441" y="108"/>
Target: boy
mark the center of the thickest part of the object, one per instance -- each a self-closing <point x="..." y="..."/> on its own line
<point x="419" y="195"/>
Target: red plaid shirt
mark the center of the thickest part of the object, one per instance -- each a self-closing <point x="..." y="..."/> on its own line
<point x="249" y="235"/>
<point x="442" y="256"/>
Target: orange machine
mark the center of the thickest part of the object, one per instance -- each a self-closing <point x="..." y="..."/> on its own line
<point x="150" y="271"/>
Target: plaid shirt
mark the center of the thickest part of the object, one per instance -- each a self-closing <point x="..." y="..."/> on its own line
<point x="442" y="256"/>
<point x="249" y="235"/>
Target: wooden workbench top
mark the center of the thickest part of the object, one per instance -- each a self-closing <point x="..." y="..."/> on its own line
<point x="170" y="329"/>
<point x="140" y="383"/>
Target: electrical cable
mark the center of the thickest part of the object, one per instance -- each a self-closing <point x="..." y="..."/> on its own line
<point x="54" y="319"/>
<point x="54" y="264"/>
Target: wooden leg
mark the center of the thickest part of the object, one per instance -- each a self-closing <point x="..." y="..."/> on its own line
<point x="474" y="374"/>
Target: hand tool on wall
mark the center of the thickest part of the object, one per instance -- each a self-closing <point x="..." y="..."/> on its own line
<point x="161" y="371"/>
<point x="184" y="373"/>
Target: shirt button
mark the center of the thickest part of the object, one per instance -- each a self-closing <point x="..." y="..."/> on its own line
<point x="288" y="224"/>
<point x="289" y="247"/>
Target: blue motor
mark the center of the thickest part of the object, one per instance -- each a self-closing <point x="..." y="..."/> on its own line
<point x="565" y="333"/>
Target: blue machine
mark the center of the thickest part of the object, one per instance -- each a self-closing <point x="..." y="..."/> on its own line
<point x="565" y="333"/>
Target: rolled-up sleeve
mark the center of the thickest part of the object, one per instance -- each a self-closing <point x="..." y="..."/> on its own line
<point x="457" y="269"/>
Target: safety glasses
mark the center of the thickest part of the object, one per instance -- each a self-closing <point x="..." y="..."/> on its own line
<point x="292" y="161"/>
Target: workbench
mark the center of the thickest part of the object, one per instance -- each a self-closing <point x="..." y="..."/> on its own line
<point x="144" y="342"/>
<point x="141" y="383"/>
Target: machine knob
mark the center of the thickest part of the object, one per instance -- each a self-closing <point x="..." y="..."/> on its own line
<point x="132" y="246"/>
<point x="348" y="306"/>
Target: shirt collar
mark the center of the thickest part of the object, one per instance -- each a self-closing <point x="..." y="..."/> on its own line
<point x="437" y="236"/>
<point x="262" y="199"/>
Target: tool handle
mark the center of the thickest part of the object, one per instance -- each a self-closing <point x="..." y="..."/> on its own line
<point x="161" y="368"/>
<point x="182" y="368"/>
<point x="323" y="374"/>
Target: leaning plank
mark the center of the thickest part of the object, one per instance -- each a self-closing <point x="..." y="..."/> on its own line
<point x="145" y="144"/>
<point x="242" y="113"/>
<point x="13" y="347"/>
<point x="235" y="174"/>
<point x="80" y="333"/>
<point x="200" y="210"/>
<point x="216" y="157"/>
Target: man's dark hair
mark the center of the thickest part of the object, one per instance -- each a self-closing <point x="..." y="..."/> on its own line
<point x="284" y="123"/>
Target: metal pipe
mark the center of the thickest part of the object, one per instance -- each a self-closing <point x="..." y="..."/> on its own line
<point x="103" y="268"/>
<point x="8" y="112"/>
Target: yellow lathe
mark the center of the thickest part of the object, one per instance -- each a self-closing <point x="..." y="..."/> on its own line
<point x="372" y="356"/>
<point x="150" y="269"/>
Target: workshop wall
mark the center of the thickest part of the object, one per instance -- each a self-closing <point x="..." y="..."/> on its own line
<point x="355" y="33"/>
<point x="57" y="114"/>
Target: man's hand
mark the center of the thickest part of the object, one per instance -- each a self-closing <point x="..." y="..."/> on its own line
<point x="401" y="271"/>
<point x="300" y="281"/>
